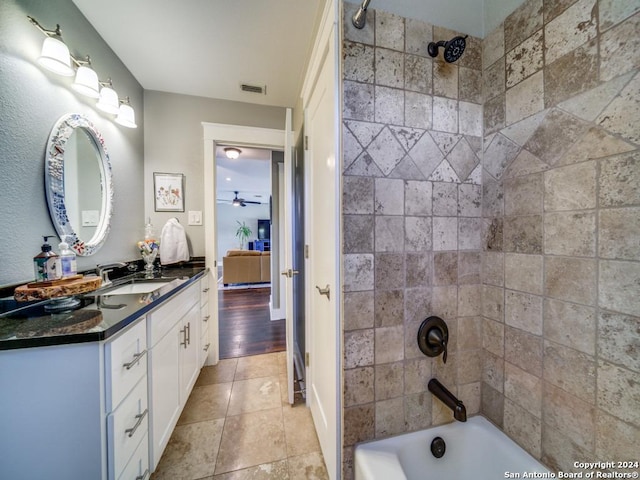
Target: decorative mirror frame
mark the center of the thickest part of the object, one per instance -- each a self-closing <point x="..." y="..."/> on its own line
<point x="54" y="183"/>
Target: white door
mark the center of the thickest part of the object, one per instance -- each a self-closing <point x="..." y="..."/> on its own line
<point x="323" y="287"/>
<point x="289" y="272"/>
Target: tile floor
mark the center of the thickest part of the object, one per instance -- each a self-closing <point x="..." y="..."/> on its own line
<point x="238" y="425"/>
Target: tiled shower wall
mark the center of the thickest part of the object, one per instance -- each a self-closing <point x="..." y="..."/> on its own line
<point x="561" y="230"/>
<point x="412" y="133"/>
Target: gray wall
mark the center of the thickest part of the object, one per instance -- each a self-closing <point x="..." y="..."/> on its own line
<point x="174" y="144"/>
<point x="32" y="100"/>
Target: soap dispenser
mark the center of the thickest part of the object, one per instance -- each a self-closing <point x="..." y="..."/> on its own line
<point x="67" y="260"/>
<point x="47" y="263"/>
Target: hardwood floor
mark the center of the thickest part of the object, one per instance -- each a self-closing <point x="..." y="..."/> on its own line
<point x="244" y="324"/>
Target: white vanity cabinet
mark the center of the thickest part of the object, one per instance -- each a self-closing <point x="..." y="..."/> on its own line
<point x="205" y="343"/>
<point x="173" y="337"/>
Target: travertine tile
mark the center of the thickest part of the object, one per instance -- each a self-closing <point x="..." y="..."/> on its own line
<point x="445" y="79"/>
<point x="445" y="114"/>
<point x="559" y="450"/>
<point x="523" y="195"/>
<point x="575" y="26"/>
<point x="417" y="71"/>
<point x="596" y="143"/>
<point x="524" y="428"/>
<point x="406" y="170"/>
<point x="389" y="68"/>
<point x="618" y="286"/>
<point x="573" y="371"/>
<point x="620" y="180"/>
<point x="254" y="394"/>
<point x="445" y="268"/>
<point x="389" y="417"/>
<point x="191" y="451"/>
<point x="524" y="164"/>
<point x="257" y="366"/>
<point x="469" y="300"/>
<point x="389" y="271"/>
<point x="619" y="339"/>
<point x="445" y="233"/>
<point x="426" y="155"/>
<point x="493" y="371"/>
<point x="493" y="337"/>
<point x="473" y="54"/>
<point x="493" y="302"/>
<point x="555" y="8"/>
<point x="525" y="99"/>
<point x="619" y="49"/>
<point x="358" y="101"/>
<point x="499" y="155"/>
<point x="470" y="85"/>
<point x="363" y="35"/>
<point x="445" y="141"/>
<point x="267" y="471"/>
<point x="364" y="132"/>
<point x="522" y="23"/>
<point x="612" y="12"/>
<point x="418" y="34"/>
<point x="523" y="350"/>
<point x="570" y="324"/>
<point x="471" y="396"/>
<point x="389" y="30"/>
<point x="359" y="424"/>
<point x="618" y="392"/>
<point x="570" y="188"/>
<point x="523" y="234"/>
<point x="208" y="402"/>
<point x="223" y="372"/>
<point x="571" y="234"/>
<point x="523" y="311"/>
<point x="417" y="305"/>
<point x="363" y="166"/>
<point x="388" y="232"/>
<point x="493" y="268"/>
<point x="619" y="233"/>
<point x="469" y="200"/>
<point x="523" y="389"/>
<point x="389" y="343"/>
<point x="492" y="404"/>
<point x="621" y="115"/>
<point x="470" y="121"/>
<point x="418" y="110"/>
<point x="572" y="279"/>
<point x="445" y="199"/>
<point x="389" y="308"/>
<point x="389" y="196"/>
<point x="351" y="149"/>
<point x="416" y="411"/>
<point x="418" y="234"/>
<point x="494" y="114"/>
<point x="389" y="381"/>
<point x="523" y="272"/>
<point x="358" y="64"/>
<point x="569" y="415"/>
<point x="520" y="132"/>
<point x="358" y="310"/>
<point x="469" y="237"/>
<point x="524" y="60"/>
<point x="469" y="367"/>
<point x="417" y="373"/>
<point x="309" y="466"/>
<point x="358" y="386"/>
<point x="300" y="434"/>
<point x="358" y="233"/>
<point x="357" y="195"/>
<point x="358" y="272"/>
<point x="615" y="439"/>
<point x="358" y="348"/>
<point x="470" y="332"/>
<point x="493" y="47"/>
<point x="444" y="173"/>
<point x="419" y="269"/>
<point x="389" y="105"/>
<point x="445" y="304"/>
<point x="492" y="234"/>
<point x="571" y="74"/>
<point x="492" y="197"/>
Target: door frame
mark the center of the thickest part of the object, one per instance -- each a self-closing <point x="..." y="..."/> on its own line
<point x="219" y="133"/>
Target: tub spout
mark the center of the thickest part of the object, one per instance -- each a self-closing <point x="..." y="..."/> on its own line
<point x="449" y="399"/>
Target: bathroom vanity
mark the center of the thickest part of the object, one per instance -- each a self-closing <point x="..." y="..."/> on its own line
<point x="96" y="393"/>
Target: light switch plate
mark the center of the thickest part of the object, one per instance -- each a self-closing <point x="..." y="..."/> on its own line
<point x="195" y="217"/>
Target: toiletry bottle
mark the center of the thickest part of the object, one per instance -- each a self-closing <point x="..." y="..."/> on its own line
<point x="67" y="260"/>
<point x="47" y="263"/>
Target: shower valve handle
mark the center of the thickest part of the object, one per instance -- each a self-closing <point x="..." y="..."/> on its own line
<point x="437" y="341"/>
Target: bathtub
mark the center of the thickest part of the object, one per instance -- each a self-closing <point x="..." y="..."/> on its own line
<point x="475" y="449"/>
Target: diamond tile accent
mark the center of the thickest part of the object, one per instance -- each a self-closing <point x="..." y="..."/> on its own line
<point x="499" y="155"/>
<point x="596" y="143"/>
<point x="364" y="166"/>
<point x="407" y="170"/>
<point x="462" y="159"/>
<point x="521" y="132"/>
<point x="407" y="136"/>
<point x="444" y="173"/>
<point x="426" y="155"/>
<point x="622" y="115"/>
<point x="364" y="132"/>
<point x="386" y="151"/>
<point x="445" y="141"/>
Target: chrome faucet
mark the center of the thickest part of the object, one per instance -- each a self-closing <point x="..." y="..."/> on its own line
<point x="449" y="399"/>
<point x="104" y="269"/>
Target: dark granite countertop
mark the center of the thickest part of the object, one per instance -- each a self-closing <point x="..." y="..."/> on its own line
<point x="100" y="315"/>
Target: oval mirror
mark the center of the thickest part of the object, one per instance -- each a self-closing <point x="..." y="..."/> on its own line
<point x="78" y="183"/>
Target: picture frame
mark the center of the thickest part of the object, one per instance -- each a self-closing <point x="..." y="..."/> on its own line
<point x="168" y="191"/>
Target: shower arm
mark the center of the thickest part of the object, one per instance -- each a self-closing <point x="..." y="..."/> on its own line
<point x="360" y="17"/>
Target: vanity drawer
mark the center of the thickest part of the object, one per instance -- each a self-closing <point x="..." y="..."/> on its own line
<point x="165" y="317"/>
<point x="126" y="363"/>
<point x="204" y="289"/>
<point x="205" y="317"/>
<point x="138" y="466"/>
<point x="126" y="427"/>
<point x="205" y="345"/>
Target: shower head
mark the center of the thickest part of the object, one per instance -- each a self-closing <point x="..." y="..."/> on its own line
<point x="360" y="17"/>
<point x="453" y="49"/>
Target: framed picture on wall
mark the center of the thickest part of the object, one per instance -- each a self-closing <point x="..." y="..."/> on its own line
<point x="168" y="190"/>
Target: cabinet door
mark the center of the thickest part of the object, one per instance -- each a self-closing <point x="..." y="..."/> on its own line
<point x="189" y="351"/>
<point x="164" y="385"/>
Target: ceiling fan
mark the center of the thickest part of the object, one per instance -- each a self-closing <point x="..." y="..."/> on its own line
<point x="241" y="202"/>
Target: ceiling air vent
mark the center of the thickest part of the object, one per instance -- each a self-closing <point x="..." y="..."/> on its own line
<point x="245" y="87"/>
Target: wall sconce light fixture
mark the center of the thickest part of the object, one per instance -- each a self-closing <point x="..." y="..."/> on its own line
<point x="55" y="57"/>
<point x="232" y="153"/>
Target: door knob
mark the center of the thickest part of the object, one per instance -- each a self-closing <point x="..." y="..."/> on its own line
<point x="289" y="273"/>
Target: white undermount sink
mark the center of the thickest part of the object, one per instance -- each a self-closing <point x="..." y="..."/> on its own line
<point x="133" y="288"/>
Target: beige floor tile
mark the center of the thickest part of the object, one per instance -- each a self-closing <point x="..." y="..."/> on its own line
<point x="223" y="372"/>
<point x="282" y="362"/>
<point x="307" y="467"/>
<point x="206" y="403"/>
<point x="299" y="431"/>
<point x="191" y="452"/>
<point x="251" y="439"/>
<point x="254" y="394"/>
<point x="267" y="471"/>
<point x="284" y="397"/>
<point x="257" y="366"/>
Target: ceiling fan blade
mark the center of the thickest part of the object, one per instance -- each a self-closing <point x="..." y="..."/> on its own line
<point x="251" y="201"/>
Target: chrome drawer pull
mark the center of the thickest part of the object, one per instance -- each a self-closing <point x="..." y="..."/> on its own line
<point x="206" y="347"/>
<point x="136" y="359"/>
<point x="183" y="331"/>
<point x="206" y="319"/>
<point x="188" y="327"/>
<point x="131" y="431"/>
<point x="143" y="476"/>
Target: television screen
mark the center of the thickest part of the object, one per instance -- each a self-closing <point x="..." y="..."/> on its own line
<point x="264" y="230"/>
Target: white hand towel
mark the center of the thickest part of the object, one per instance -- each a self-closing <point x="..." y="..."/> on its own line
<point x="173" y="243"/>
